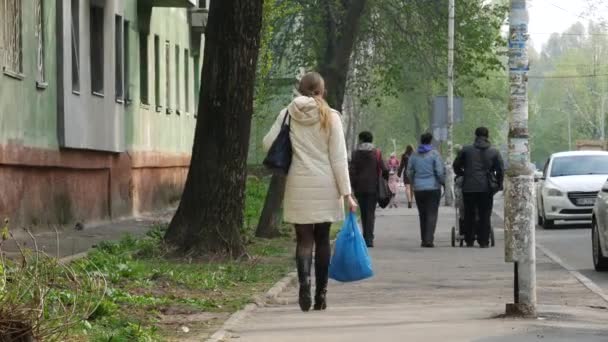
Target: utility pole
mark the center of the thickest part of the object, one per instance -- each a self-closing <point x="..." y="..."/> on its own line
<point x="449" y="186"/>
<point x="520" y="239"/>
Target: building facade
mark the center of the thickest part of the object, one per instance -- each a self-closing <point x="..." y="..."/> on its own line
<point x="97" y="106"/>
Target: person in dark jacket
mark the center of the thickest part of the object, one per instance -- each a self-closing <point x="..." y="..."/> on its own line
<point x="478" y="164"/>
<point x="427" y="174"/>
<point x="366" y="166"/>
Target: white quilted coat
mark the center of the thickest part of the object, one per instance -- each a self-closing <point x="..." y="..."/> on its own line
<point x="318" y="178"/>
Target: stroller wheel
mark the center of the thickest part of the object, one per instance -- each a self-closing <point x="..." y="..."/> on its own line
<point x="453" y="236"/>
<point x="492" y="240"/>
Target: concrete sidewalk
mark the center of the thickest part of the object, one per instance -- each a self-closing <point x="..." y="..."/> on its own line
<point x="71" y="242"/>
<point x="440" y="294"/>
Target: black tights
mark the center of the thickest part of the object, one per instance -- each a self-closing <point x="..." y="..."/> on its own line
<point x="318" y="235"/>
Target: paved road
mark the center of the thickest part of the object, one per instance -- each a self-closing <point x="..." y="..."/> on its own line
<point x="572" y="244"/>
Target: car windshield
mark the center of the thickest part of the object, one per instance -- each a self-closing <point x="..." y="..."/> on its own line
<point x="579" y="165"/>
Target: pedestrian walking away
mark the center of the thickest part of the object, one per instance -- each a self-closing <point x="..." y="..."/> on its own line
<point x="317" y="182"/>
<point x="427" y="174"/>
<point x="393" y="178"/>
<point x="482" y="169"/>
<point x="365" y="168"/>
<point x="409" y="150"/>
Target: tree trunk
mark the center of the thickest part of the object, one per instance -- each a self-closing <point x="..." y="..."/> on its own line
<point x="210" y="214"/>
<point x="341" y="35"/>
<point x="270" y="220"/>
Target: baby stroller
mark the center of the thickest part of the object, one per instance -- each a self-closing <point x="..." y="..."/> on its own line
<point x="458" y="236"/>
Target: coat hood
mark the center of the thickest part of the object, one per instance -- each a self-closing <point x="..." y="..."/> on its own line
<point x="482" y="143"/>
<point x="304" y="110"/>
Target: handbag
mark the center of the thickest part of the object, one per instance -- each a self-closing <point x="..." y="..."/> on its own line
<point x="351" y="261"/>
<point x="384" y="191"/>
<point x="279" y="155"/>
<point x="493" y="183"/>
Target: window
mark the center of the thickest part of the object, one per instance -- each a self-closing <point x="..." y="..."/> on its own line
<point x="119" y="58"/>
<point x="97" y="73"/>
<point x="202" y="3"/>
<point x="39" y="32"/>
<point x="143" y="68"/>
<point x="197" y="82"/>
<point x="178" y="100"/>
<point x="75" y="45"/>
<point x="579" y="165"/>
<point x="126" y="66"/>
<point x="168" y="76"/>
<point x="187" y="80"/>
<point x="157" y="72"/>
<point x="12" y="40"/>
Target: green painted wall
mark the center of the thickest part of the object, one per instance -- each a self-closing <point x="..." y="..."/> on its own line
<point x="146" y="128"/>
<point x="28" y="116"/>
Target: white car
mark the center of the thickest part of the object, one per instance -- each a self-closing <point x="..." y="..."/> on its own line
<point x="599" y="237"/>
<point x="569" y="186"/>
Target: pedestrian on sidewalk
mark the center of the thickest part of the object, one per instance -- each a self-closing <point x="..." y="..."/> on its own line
<point x="393" y="178"/>
<point x="409" y="150"/>
<point x="366" y="167"/>
<point x="427" y="173"/>
<point x="482" y="168"/>
<point x="317" y="182"/>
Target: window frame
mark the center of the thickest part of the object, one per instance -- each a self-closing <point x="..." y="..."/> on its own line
<point x="75" y="45"/>
<point x="97" y="59"/>
<point x="119" y="57"/>
<point x="12" y="71"/>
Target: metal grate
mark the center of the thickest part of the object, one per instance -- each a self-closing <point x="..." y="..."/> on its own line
<point x="12" y="44"/>
<point x="583" y="199"/>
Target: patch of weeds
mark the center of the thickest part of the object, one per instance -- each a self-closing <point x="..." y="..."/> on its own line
<point x="254" y="203"/>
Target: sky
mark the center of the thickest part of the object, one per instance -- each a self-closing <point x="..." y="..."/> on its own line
<point x="548" y="16"/>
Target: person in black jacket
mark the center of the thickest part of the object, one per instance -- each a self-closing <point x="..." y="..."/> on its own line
<point x="366" y="166"/>
<point x="481" y="165"/>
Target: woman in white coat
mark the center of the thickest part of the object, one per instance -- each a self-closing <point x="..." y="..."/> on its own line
<point x="317" y="182"/>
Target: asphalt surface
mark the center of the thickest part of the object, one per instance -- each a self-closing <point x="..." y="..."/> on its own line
<point x="441" y="294"/>
<point x="572" y="244"/>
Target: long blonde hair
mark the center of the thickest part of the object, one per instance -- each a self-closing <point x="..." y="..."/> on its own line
<point x="313" y="85"/>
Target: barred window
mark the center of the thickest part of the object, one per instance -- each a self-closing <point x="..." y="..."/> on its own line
<point x="39" y="32"/>
<point x="12" y="44"/>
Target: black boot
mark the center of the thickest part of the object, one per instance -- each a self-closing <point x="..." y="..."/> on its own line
<point x="304" y="264"/>
<point x="321" y="277"/>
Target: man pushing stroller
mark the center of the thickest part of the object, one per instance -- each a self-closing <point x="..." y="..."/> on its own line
<point x="481" y="171"/>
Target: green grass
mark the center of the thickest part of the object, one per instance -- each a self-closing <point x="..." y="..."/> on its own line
<point x="144" y="283"/>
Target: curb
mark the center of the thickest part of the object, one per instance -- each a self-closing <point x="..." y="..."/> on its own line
<point x="588" y="283"/>
<point x="271" y="296"/>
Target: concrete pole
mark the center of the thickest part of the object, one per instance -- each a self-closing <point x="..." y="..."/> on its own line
<point x="520" y="243"/>
<point x="449" y="186"/>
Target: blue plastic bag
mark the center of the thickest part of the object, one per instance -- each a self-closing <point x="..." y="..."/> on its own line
<point x="350" y="261"/>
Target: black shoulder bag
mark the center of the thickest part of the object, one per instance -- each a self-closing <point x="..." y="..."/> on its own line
<point x="493" y="183"/>
<point x="280" y="153"/>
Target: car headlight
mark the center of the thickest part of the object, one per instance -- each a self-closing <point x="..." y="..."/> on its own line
<point x="554" y="193"/>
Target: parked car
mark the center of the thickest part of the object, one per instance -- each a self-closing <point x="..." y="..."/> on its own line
<point x="569" y="186"/>
<point x="599" y="235"/>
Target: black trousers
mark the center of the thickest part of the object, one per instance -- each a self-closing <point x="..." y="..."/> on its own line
<point x="428" y="211"/>
<point x="367" y="206"/>
<point x="477" y="216"/>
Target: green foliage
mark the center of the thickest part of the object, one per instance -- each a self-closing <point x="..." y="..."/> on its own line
<point x="254" y="203"/>
<point x="569" y="90"/>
